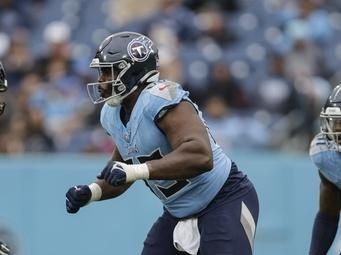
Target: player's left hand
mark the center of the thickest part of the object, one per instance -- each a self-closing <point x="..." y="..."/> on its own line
<point x="77" y="197"/>
<point x="114" y="173"/>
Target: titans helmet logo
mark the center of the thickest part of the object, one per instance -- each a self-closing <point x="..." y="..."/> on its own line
<point x="140" y="48"/>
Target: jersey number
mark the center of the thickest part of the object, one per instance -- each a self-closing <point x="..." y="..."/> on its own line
<point x="166" y="191"/>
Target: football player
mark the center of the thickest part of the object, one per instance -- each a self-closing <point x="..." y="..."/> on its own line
<point x="3" y="86"/>
<point x="210" y="207"/>
<point x="325" y="152"/>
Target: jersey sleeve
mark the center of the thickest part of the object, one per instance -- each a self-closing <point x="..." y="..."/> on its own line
<point x="162" y="97"/>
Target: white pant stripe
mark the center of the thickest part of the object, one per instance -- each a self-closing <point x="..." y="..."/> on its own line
<point x="248" y="223"/>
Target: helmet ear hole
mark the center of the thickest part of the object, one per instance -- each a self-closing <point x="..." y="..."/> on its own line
<point x="119" y="89"/>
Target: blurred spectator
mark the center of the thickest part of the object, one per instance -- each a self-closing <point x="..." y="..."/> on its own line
<point x="309" y="21"/>
<point x="224" y="85"/>
<point x="14" y="140"/>
<point x="37" y="139"/>
<point x="234" y="129"/>
<point x="304" y="59"/>
<point x="19" y="59"/>
<point x="4" y="44"/>
<point x="172" y="14"/>
<point x="216" y="115"/>
<point x="13" y="15"/>
<point x="57" y="38"/>
<point x="212" y="24"/>
<point x="276" y="93"/>
<point x="122" y="10"/>
<point x="229" y="6"/>
<point x="262" y="69"/>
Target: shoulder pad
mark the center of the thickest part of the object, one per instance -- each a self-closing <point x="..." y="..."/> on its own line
<point x="161" y="96"/>
<point x="165" y="90"/>
<point x="320" y="144"/>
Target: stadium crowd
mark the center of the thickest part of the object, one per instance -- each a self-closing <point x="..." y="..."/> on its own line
<point x="260" y="69"/>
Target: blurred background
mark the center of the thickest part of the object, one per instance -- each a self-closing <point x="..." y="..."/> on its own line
<point x="260" y="70"/>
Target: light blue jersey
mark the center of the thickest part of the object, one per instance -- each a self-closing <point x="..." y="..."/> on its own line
<point x="141" y="140"/>
<point x="327" y="158"/>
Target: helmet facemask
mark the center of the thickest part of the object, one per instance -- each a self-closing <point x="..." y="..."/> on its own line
<point x="116" y="70"/>
<point x="124" y="61"/>
<point x="331" y="124"/>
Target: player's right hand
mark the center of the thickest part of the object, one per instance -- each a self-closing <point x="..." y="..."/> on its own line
<point x="76" y="197"/>
<point x="114" y="173"/>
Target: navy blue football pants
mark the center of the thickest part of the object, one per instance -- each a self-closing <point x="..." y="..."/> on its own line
<point x="220" y="227"/>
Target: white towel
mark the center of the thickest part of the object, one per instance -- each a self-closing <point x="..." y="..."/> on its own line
<point x="186" y="236"/>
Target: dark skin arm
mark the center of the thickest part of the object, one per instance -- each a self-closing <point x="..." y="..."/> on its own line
<point x="187" y="135"/>
<point x="109" y="191"/>
<point x="330" y="198"/>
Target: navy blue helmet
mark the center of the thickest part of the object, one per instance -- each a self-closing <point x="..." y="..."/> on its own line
<point x="131" y="59"/>
<point x="331" y="116"/>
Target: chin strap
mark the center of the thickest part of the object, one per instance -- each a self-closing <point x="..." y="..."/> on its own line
<point x="115" y="101"/>
<point x="149" y="77"/>
<point x="153" y="76"/>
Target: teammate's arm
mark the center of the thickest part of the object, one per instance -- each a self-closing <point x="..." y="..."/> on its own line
<point x="327" y="219"/>
<point x="330" y="198"/>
